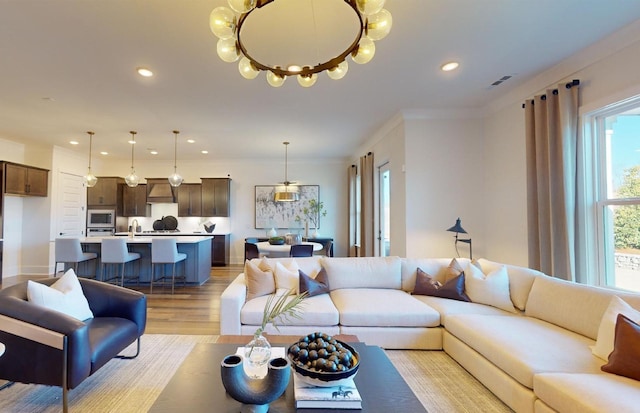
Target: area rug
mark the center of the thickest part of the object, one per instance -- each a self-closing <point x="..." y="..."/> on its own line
<point x="132" y="386"/>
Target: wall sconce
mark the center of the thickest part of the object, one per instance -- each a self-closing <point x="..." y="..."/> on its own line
<point x="457" y="228"/>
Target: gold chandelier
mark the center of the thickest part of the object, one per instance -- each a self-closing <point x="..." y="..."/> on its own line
<point x="371" y="22"/>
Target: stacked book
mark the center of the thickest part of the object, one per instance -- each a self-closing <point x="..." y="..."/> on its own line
<point x="345" y="396"/>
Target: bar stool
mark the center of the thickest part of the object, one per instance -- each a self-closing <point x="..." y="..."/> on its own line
<point x="69" y="250"/>
<point x="115" y="251"/>
<point x="165" y="251"/>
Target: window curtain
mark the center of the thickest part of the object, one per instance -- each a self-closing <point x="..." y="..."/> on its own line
<point x="551" y="122"/>
<point x="367" y="237"/>
<point x="353" y="211"/>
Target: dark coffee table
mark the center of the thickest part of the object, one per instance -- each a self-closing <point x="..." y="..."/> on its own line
<point x="197" y="386"/>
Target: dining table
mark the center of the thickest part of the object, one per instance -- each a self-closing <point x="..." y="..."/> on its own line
<point x="274" y="251"/>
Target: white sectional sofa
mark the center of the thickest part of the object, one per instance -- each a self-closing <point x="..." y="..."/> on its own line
<point x="535" y="357"/>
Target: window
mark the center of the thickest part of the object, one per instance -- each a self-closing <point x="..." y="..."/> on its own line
<point x="617" y="148"/>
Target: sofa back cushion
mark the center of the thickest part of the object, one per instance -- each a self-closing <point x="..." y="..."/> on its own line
<point x="520" y="280"/>
<point x="436" y="267"/>
<point x="363" y="272"/>
<point x="576" y="307"/>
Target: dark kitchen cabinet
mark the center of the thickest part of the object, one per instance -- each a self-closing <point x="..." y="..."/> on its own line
<point x="215" y="197"/>
<point x="106" y="192"/>
<point x="134" y="201"/>
<point x="190" y="200"/>
<point x="220" y="250"/>
<point x="25" y="180"/>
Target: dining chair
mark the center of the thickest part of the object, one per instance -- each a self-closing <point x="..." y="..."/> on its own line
<point x="251" y="251"/>
<point x="301" y="250"/>
<point x="165" y="251"/>
<point x="115" y="251"/>
<point x="69" y="250"/>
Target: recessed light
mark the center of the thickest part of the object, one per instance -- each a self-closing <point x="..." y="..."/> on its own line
<point x="153" y="152"/>
<point x="132" y="142"/>
<point x="74" y="142"/>
<point x="191" y="141"/>
<point x="447" y="67"/>
<point x="104" y="153"/>
<point x="205" y="152"/>
<point x="143" y="71"/>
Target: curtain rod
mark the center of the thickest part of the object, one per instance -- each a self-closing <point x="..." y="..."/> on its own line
<point x="574" y="82"/>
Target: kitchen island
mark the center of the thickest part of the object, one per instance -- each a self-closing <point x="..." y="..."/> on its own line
<point x="196" y="267"/>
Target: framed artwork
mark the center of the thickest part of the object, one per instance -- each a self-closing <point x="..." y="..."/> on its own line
<point x="282" y="215"/>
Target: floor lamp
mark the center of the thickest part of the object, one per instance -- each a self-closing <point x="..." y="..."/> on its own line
<point x="457" y="228"/>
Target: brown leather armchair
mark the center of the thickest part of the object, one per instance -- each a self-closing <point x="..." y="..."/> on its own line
<point x="48" y="347"/>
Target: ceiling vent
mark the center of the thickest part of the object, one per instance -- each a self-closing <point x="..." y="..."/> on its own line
<point x="499" y="81"/>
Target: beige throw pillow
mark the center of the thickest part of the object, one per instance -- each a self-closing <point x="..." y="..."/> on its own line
<point x="287" y="277"/>
<point x="607" y="329"/>
<point x="491" y="289"/>
<point x="259" y="279"/>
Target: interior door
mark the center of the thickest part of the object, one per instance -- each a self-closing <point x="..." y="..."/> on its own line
<point x="71" y="211"/>
<point x="384" y="238"/>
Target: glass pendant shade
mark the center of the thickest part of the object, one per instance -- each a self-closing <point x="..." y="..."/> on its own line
<point x="339" y="71"/>
<point x="246" y="69"/>
<point x="222" y="22"/>
<point x="379" y="25"/>
<point x="242" y="6"/>
<point x="175" y="179"/>
<point x="369" y="7"/>
<point x="132" y="180"/>
<point x="307" y="81"/>
<point x="227" y="51"/>
<point x="275" y="80"/>
<point x="365" y="52"/>
<point x="90" y="180"/>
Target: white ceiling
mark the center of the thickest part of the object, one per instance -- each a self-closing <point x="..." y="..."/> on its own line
<point x="68" y="66"/>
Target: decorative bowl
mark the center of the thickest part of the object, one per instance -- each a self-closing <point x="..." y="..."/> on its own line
<point x="276" y="241"/>
<point x="324" y="375"/>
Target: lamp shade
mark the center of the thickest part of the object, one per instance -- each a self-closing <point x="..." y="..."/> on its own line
<point x="457" y="228"/>
<point x="290" y="194"/>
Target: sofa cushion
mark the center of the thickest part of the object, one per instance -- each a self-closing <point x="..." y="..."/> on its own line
<point x="625" y="358"/>
<point x="437" y="267"/>
<point x="607" y="329"/>
<point x="452" y="289"/>
<point x="365" y="272"/>
<point x="259" y="279"/>
<point x="382" y="308"/>
<point x="448" y="307"/>
<point x="587" y="393"/>
<point x="315" y="311"/>
<point x="314" y="286"/>
<point x="520" y="280"/>
<point x="576" y="307"/>
<point x="65" y="296"/>
<point x="490" y="289"/>
<point x="310" y="265"/>
<point x="524" y="346"/>
<point x="286" y="277"/>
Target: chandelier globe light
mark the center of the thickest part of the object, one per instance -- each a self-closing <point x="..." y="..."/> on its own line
<point x="90" y="180"/>
<point x="286" y="192"/>
<point x="132" y="180"/>
<point x="227" y="23"/>
<point x="175" y="179"/>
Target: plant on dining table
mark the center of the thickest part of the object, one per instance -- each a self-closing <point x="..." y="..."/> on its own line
<point x="312" y="212"/>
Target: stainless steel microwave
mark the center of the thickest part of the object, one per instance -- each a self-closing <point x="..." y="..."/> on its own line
<point x="101" y="218"/>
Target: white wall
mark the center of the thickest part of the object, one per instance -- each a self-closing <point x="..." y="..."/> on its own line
<point x="608" y="72"/>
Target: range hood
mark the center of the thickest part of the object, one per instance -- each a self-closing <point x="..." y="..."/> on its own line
<point x="160" y="191"/>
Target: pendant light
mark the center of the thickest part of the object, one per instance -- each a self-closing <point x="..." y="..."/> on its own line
<point x="132" y="179"/>
<point x="90" y="179"/>
<point x="175" y="179"/>
<point x="286" y="192"/>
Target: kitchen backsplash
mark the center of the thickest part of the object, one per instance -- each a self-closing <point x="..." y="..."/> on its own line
<point x="185" y="224"/>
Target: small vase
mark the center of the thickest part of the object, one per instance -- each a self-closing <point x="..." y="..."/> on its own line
<point x="272" y="232"/>
<point x="257" y="354"/>
<point x="316" y="233"/>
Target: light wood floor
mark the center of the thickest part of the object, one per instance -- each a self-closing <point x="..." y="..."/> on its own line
<point x="191" y="310"/>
